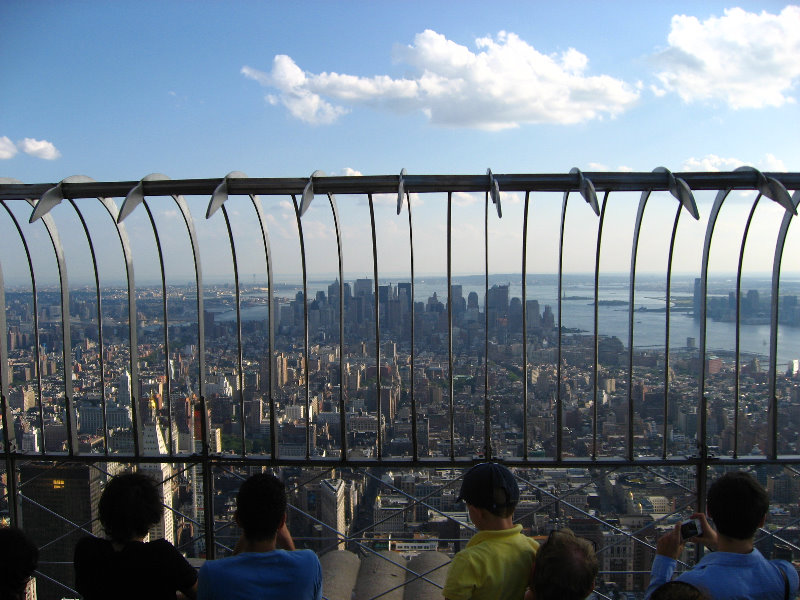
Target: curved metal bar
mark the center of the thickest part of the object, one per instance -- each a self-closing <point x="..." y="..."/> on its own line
<point x="36" y="341"/>
<point x="342" y="416"/>
<point x="376" y="308"/>
<point x="559" y="408"/>
<point x="451" y="391"/>
<point x="667" y="318"/>
<point x="400" y="193"/>
<point x="165" y="312"/>
<point x="124" y="242"/>
<point x="631" y="293"/>
<point x="99" y="321"/>
<point x="9" y="437"/>
<point x="297" y="215"/>
<point x="208" y="480"/>
<point x="487" y="431"/>
<point x="773" y="328"/>
<point x="58" y="249"/>
<point x="239" y="358"/>
<point x="525" y="328"/>
<point x="586" y="189"/>
<point x="683" y="194"/>
<point x="596" y="345"/>
<point x="273" y="434"/>
<point x="737" y="346"/>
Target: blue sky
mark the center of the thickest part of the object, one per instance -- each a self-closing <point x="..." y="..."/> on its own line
<point x="117" y="90"/>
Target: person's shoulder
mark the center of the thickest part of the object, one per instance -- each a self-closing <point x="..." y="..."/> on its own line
<point x="789" y="570"/>
<point x="302" y="556"/>
<point x="160" y="546"/>
<point x="91" y="545"/>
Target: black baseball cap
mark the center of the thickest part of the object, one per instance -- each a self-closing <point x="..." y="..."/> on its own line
<point x="481" y="481"/>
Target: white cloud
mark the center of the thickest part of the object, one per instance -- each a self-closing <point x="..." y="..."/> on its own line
<point x="771" y="163"/>
<point x="294" y="94"/>
<point x="506" y="82"/>
<point x="712" y="162"/>
<point x="744" y="59"/>
<point x="39" y="148"/>
<point x="348" y="172"/>
<point x="595" y="166"/>
<point x="7" y="148"/>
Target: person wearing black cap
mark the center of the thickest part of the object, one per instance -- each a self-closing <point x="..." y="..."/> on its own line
<point x="497" y="560"/>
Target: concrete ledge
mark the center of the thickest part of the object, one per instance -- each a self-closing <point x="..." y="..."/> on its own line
<point x="340" y="570"/>
<point x="434" y="566"/>
<point x="377" y="575"/>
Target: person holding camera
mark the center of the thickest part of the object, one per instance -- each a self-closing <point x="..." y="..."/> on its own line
<point x="736" y="569"/>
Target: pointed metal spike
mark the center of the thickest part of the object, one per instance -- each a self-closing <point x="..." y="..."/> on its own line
<point x="401" y="191"/>
<point x="308" y="192"/>
<point x="54" y="196"/>
<point x="220" y="194"/>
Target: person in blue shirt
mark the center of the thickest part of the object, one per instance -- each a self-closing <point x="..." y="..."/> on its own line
<point x="264" y="564"/>
<point x="738" y="505"/>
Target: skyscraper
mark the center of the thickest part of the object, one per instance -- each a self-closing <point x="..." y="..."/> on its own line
<point x="332" y="509"/>
<point x="59" y="507"/>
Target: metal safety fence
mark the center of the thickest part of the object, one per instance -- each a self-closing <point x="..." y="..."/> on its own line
<point x="372" y="398"/>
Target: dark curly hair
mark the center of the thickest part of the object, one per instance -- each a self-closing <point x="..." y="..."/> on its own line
<point x="737" y="503"/>
<point x="18" y="560"/>
<point x="129" y="506"/>
<point x="565" y="567"/>
<point x="679" y="590"/>
<point x="260" y="506"/>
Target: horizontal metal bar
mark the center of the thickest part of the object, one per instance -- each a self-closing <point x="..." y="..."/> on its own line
<point x="388" y="184"/>
<point x="436" y="462"/>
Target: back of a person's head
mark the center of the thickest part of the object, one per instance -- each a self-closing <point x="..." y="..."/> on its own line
<point x="129" y="506"/>
<point x="565" y="567"/>
<point x="737" y="504"/>
<point x="678" y="590"/>
<point x="490" y="486"/>
<point x="18" y="559"/>
<point x="260" y="506"/>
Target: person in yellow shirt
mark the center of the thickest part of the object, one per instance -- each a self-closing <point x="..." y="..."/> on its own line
<point x="497" y="560"/>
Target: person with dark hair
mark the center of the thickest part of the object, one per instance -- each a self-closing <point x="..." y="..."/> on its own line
<point x="565" y="569"/>
<point x="497" y="560"/>
<point x="737" y="505"/>
<point x="679" y="590"/>
<point x="19" y="557"/>
<point x="264" y="564"/>
<point x="125" y="566"/>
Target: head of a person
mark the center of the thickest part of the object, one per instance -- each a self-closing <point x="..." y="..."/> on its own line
<point x="492" y="487"/>
<point x="565" y="567"/>
<point x="129" y="506"/>
<point x="678" y="590"/>
<point x="261" y="507"/>
<point x="738" y="504"/>
<point x="18" y="560"/>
